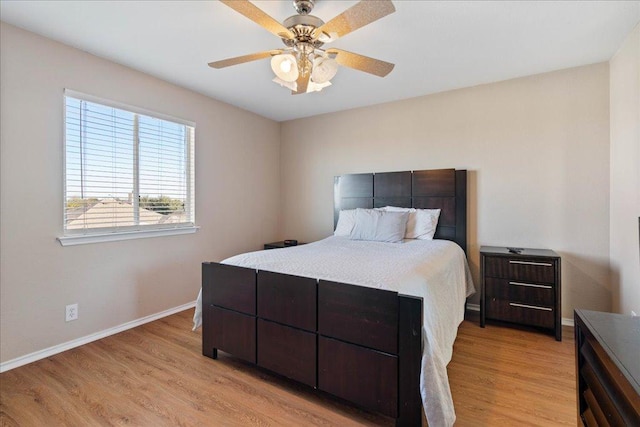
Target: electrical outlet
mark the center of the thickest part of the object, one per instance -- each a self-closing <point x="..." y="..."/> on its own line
<point x="71" y="312"/>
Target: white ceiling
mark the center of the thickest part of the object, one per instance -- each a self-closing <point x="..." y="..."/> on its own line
<point x="436" y="45"/>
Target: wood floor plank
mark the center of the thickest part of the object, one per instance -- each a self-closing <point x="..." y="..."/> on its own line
<point x="155" y="375"/>
<point x="503" y="376"/>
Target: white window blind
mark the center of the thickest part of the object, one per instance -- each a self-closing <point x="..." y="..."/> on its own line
<point x="125" y="170"/>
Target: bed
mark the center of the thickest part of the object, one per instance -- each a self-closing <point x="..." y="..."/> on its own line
<point x="371" y="323"/>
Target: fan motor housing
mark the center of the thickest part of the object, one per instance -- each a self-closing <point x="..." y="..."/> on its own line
<point x="303" y="26"/>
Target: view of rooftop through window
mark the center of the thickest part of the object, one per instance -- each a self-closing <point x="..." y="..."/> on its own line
<point x="125" y="170"/>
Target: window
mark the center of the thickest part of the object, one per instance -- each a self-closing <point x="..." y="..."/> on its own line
<point x="126" y="170"/>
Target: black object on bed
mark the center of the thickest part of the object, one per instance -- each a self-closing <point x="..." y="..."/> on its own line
<point x="360" y="344"/>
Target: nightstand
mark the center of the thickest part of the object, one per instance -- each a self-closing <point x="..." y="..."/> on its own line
<point x="522" y="288"/>
<point x="278" y="245"/>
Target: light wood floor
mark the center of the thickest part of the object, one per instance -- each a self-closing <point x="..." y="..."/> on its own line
<point x="155" y="375"/>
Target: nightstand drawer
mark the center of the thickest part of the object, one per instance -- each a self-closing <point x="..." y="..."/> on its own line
<point x="523" y="292"/>
<point x="524" y="269"/>
<point x="529" y="314"/>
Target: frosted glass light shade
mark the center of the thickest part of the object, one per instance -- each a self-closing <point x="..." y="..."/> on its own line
<point x="289" y="85"/>
<point x="311" y="87"/>
<point x="324" y="69"/>
<point x="285" y="67"/>
<point x="317" y="87"/>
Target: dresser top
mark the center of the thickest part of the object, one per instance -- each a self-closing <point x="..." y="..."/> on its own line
<point x="526" y="252"/>
<point x="619" y="336"/>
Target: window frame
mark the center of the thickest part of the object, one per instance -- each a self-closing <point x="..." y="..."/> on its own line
<point x="109" y="234"/>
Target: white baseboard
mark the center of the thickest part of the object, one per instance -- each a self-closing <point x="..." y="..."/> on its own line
<point x="565" y="321"/>
<point x="47" y="352"/>
<point x="473" y="307"/>
<point x="50" y="351"/>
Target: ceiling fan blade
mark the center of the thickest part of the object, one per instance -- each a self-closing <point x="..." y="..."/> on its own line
<point x="302" y="84"/>
<point x="257" y="15"/>
<point x="357" y="16"/>
<point x="242" y="59"/>
<point x="361" y="62"/>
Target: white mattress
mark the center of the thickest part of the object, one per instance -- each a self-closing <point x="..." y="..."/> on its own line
<point x="435" y="270"/>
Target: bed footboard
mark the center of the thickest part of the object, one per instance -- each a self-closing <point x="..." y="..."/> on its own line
<point x="360" y="344"/>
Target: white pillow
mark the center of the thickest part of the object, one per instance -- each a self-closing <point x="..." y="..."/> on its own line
<point x="379" y="225"/>
<point x="426" y="223"/>
<point x="346" y="221"/>
<point x="421" y="224"/>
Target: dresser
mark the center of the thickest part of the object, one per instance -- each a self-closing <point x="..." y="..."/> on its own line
<point x="607" y="368"/>
<point x="521" y="288"/>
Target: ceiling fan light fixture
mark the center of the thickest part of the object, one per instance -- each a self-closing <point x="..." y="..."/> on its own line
<point x="316" y="87"/>
<point x="324" y="69"/>
<point x="311" y="87"/>
<point x="285" y="67"/>
<point x="289" y="85"/>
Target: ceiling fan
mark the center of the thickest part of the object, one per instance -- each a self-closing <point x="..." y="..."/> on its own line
<point x="302" y="65"/>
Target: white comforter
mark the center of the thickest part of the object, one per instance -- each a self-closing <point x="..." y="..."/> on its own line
<point x="435" y="270"/>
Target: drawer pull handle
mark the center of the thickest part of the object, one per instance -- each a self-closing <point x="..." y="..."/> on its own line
<point x="535" y="307"/>
<point x="544" y="264"/>
<point x="530" y="285"/>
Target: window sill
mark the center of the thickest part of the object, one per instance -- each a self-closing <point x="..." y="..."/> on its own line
<point x="85" y="239"/>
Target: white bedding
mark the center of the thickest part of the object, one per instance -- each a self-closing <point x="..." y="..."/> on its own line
<point x="435" y="270"/>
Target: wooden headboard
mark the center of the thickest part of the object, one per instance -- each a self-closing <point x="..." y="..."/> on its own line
<point x="444" y="189"/>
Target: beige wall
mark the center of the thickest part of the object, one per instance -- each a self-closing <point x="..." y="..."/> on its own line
<point x="625" y="174"/>
<point x="537" y="149"/>
<point x="114" y="283"/>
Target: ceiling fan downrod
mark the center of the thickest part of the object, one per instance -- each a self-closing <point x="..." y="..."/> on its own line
<point x="303" y="7"/>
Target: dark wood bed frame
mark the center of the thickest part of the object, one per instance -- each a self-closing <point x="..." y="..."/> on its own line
<point x="359" y="344"/>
